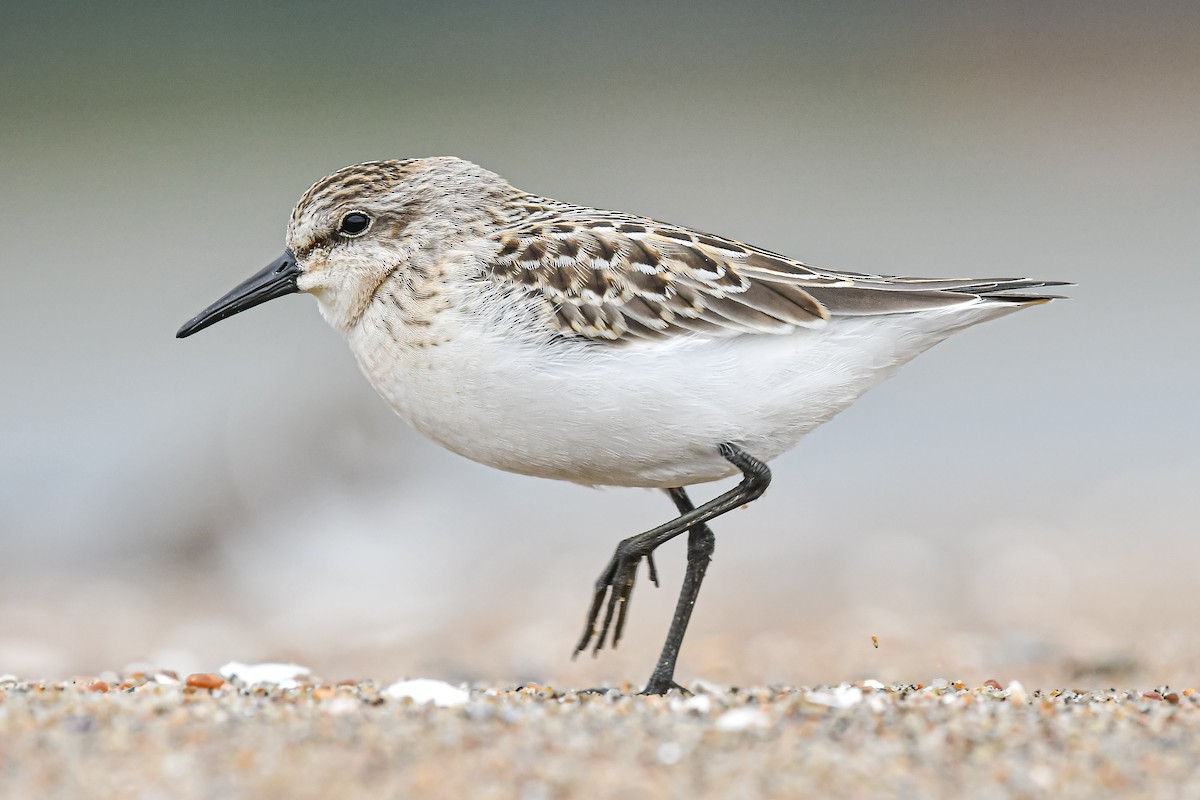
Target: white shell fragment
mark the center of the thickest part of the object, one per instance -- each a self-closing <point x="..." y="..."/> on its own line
<point x="843" y="696"/>
<point x="282" y="675"/>
<point x="698" y="703"/>
<point x="742" y="719"/>
<point x="427" y="690"/>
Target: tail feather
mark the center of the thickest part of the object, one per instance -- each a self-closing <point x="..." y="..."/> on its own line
<point x="871" y="295"/>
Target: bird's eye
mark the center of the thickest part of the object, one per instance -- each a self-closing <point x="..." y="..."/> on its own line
<point x="354" y="224"/>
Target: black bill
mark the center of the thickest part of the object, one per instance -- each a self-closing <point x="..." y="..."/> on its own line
<point x="274" y="280"/>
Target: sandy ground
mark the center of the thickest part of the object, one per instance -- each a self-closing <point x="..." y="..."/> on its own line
<point x="1102" y="640"/>
<point x="150" y="736"/>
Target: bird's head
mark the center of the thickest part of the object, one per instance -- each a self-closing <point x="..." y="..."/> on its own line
<point x="354" y="228"/>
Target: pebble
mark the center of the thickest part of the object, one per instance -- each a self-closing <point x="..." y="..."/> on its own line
<point x="204" y="680"/>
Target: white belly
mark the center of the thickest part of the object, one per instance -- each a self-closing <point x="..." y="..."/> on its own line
<point x="653" y="417"/>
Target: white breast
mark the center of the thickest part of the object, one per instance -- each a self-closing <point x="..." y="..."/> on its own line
<point x="652" y="416"/>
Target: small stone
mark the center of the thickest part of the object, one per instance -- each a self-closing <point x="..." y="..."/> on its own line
<point x="993" y="684"/>
<point x="1152" y="696"/>
<point x="701" y="686"/>
<point x="204" y="680"/>
<point x="98" y="686"/>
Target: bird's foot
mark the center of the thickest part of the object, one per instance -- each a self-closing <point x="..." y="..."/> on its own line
<point x="616" y="584"/>
<point x="657" y="686"/>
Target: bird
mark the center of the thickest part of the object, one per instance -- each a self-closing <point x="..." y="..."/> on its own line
<point x="597" y="347"/>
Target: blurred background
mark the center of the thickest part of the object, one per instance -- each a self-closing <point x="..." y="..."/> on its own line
<point x="1021" y="502"/>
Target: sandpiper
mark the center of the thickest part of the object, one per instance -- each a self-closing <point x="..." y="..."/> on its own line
<point x="603" y="348"/>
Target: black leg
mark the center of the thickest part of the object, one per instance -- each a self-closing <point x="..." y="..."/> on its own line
<point x="617" y="580"/>
<point x="701" y="543"/>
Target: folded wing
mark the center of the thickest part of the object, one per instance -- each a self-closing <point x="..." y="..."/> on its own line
<point x="619" y="278"/>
